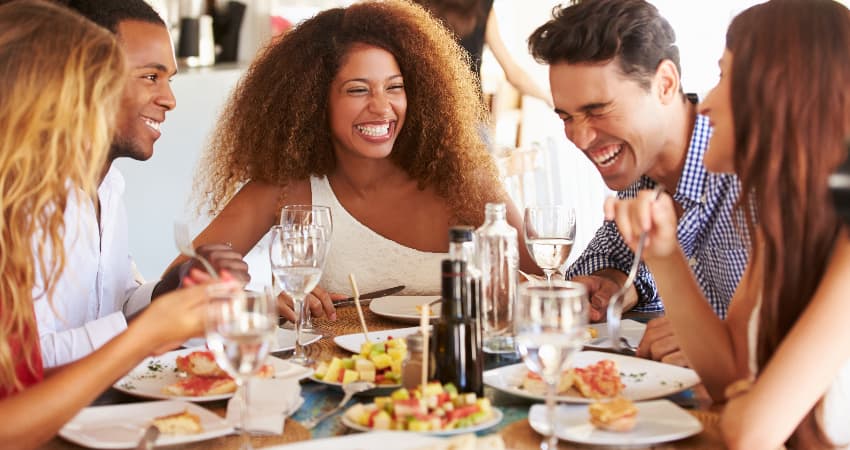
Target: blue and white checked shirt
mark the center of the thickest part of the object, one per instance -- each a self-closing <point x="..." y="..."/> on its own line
<point x="712" y="235"/>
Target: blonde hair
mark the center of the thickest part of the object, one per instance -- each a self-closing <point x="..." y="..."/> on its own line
<point x="61" y="78"/>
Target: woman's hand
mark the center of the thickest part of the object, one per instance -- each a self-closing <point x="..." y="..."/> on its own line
<point x="646" y="213"/>
<point x="319" y="301"/>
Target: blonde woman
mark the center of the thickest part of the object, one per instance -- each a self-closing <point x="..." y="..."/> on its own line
<point x="65" y="76"/>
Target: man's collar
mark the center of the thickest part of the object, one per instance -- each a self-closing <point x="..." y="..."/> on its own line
<point x="692" y="180"/>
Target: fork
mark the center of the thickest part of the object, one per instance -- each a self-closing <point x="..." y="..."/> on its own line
<point x="615" y="304"/>
<point x="184" y="245"/>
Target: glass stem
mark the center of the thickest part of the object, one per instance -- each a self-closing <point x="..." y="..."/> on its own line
<point x="550" y="442"/>
<point x="242" y="385"/>
<point x="298" y="355"/>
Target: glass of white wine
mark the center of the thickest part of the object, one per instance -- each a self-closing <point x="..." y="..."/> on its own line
<point x="549" y="235"/>
<point x="240" y="328"/>
<point x="550" y="322"/>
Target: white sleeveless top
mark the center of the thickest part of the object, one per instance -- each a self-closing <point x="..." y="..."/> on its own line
<point x="833" y="412"/>
<point x="375" y="261"/>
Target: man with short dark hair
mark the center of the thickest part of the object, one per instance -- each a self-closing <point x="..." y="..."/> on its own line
<point x="615" y="79"/>
<point x="98" y="290"/>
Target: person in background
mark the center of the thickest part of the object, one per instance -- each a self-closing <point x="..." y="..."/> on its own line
<point x="66" y="76"/>
<point x="98" y="292"/>
<point x="615" y="78"/>
<point x="474" y="23"/>
<point x="783" y="135"/>
<point x="374" y="115"/>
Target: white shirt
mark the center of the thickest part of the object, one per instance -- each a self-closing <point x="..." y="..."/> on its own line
<point x="98" y="287"/>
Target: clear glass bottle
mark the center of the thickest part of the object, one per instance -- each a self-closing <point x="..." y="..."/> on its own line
<point x="498" y="263"/>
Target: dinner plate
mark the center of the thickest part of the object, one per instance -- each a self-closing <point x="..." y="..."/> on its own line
<point x="353" y="342"/>
<point x="403" y="307"/>
<point x="285" y="340"/>
<point x="121" y="426"/>
<point x="644" y="379"/>
<point x="149" y="378"/>
<point x="630" y="329"/>
<point x="657" y="421"/>
<point x="395" y="440"/>
<point x="497" y="417"/>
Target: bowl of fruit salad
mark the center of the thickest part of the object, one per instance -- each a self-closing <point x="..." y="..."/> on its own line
<point x="377" y="362"/>
<point x="435" y="409"/>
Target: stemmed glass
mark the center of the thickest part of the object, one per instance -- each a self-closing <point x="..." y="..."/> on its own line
<point x="240" y="329"/>
<point x="549" y="235"/>
<point x="297" y="255"/>
<point x="550" y="322"/>
<point x="315" y="215"/>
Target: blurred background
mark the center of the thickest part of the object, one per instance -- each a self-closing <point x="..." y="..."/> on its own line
<point x="538" y="164"/>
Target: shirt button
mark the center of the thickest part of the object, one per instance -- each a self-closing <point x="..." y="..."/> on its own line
<point x="692" y="261"/>
<point x="703" y="199"/>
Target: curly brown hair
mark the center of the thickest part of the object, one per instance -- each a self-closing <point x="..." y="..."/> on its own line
<point x="275" y="128"/>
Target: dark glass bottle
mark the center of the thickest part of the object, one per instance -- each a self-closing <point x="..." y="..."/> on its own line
<point x="458" y="355"/>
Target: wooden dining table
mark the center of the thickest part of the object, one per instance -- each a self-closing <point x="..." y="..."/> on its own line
<point x="514" y="428"/>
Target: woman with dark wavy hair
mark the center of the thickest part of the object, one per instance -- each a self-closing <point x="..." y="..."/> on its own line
<point x="369" y="110"/>
<point x="781" y="114"/>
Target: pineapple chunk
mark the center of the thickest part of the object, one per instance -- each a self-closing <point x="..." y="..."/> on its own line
<point x="321" y="370"/>
<point x="364" y="364"/>
<point x="381" y="421"/>
<point x="349" y="376"/>
<point x="381" y="360"/>
<point x="366" y="375"/>
<point x="332" y="374"/>
<point x="396" y="353"/>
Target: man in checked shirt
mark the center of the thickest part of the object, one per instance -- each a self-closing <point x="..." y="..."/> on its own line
<point x="615" y="79"/>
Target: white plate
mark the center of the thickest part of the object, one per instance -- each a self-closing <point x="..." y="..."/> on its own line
<point x="285" y="340"/>
<point x="644" y="379"/>
<point x="657" y="421"/>
<point x="632" y="330"/>
<point x="395" y="440"/>
<point x="403" y="307"/>
<point x="353" y="342"/>
<point x="154" y="373"/>
<point x="497" y="417"/>
<point x="121" y="426"/>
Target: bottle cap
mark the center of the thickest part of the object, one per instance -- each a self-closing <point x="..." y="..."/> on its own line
<point x="460" y="233"/>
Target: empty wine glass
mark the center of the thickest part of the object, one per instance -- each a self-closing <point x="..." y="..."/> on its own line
<point x="549" y="235"/>
<point x="297" y="256"/>
<point x="550" y="322"/>
<point x="240" y="329"/>
<point x="315" y="215"/>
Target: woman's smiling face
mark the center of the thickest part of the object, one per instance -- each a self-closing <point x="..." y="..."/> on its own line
<point x="367" y="102"/>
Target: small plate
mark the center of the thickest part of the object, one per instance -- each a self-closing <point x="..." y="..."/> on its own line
<point x="644" y="379"/>
<point x="403" y="307"/>
<point x="285" y="340"/>
<point x="379" y="389"/>
<point x="121" y="426"/>
<point x="395" y="440"/>
<point x="497" y="417"/>
<point x="657" y="421"/>
<point x="353" y="342"/>
<point x="148" y="378"/>
<point x="630" y="329"/>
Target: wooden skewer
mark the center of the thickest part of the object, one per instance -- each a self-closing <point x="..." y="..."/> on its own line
<point x="423" y="324"/>
<point x="359" y="308"/>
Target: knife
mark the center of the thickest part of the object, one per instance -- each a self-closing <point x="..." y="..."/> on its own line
<point x="148" y="439"/>
<point x="369" y="296"/>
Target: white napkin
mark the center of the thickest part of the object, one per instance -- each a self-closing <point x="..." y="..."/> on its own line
<point x="271" y="400"/>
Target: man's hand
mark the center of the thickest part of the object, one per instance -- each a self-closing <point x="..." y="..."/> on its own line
<point x="601" y="286"/>
<point x="319" y="301"/>
<point x="659" y="343"/>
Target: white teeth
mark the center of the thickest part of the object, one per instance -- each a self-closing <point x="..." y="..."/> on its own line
<point x="154" y="125"/>
<point x="606" y="158"/>
<point x="374" y="130"/>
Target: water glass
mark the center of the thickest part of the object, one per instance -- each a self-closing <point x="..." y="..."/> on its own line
<point x="240" y="328"/>
<point x="551" y="319"/>
<point x="314" y="215"/>
<point x="549" y="234"/>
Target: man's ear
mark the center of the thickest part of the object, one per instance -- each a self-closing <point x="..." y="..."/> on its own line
<point x="666" y="81"/>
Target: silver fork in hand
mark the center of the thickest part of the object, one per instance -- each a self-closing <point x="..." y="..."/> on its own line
<point x="184" y="245"/>
<point x="615" y="304"/>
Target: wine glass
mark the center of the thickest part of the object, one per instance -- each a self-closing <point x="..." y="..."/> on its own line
<point x="550" y="322"/>
<point x="240" y="329"/>
<point x="549" y="235"/>
<point x="316" y="215"/>
<point x="297" y="256"/>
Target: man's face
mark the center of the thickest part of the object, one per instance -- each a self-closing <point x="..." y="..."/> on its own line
<point x="147" y="94"/>
<point x="611" y="118"/>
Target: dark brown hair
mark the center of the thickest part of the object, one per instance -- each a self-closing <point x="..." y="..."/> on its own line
<point x="791" y="113"/>
<point x="461" y="16"/>
<point x="275" y="128"/>
<point x="632" y="32"/>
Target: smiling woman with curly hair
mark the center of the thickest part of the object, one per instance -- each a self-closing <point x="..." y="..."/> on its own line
<point x="370" y="110"/>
